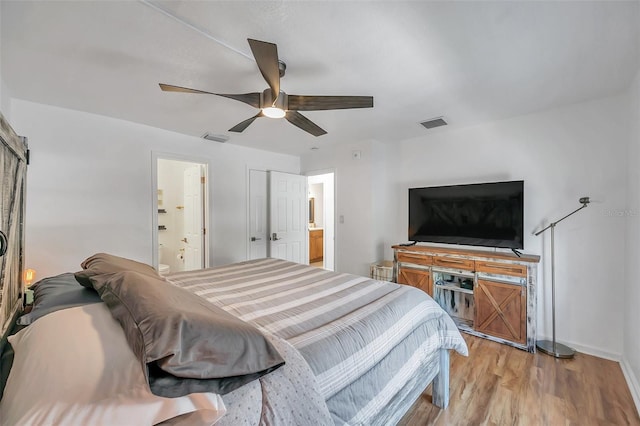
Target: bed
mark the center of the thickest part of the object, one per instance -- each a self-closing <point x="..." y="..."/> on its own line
<point x="115" y="343"/>
<point x="371" y="345"/>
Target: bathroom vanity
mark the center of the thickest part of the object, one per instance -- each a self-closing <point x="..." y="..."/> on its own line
<point x="316" y="244"/>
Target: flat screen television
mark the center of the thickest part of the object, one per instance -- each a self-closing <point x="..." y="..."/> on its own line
<point x="482" y="214"/>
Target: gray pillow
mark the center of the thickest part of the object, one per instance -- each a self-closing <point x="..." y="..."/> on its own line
<point x="186" y="343"/>
<point x="103" y="263"/>
<point x="56" y="293"/>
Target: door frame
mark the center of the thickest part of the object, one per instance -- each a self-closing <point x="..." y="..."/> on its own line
<point x="327" y="244"/>
<point x="159" y="155"/>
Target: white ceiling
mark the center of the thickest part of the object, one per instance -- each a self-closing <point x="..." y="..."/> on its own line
<point x="467" y="61"/>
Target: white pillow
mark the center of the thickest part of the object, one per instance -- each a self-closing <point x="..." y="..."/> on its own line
<point x="74" y="367"/>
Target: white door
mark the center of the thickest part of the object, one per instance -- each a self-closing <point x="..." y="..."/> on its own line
<point x="288" y="217"/>
<point x="258" y="235"/>
<point x="193" y="218"/>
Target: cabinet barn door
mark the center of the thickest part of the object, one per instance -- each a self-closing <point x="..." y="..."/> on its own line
<point x="501" y="310"/>
<point x="416" y="278"/>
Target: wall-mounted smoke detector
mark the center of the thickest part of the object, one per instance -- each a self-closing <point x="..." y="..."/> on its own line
<point x="434" y="122"/>
<point x="215" y="138"/>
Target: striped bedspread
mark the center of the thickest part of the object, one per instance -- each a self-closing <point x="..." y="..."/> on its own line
<point x="364" y="340"/>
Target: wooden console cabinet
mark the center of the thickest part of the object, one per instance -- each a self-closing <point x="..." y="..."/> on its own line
<point x="488" y="294"/>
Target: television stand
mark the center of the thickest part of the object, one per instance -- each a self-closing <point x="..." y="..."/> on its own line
<point x="487" y="294"/>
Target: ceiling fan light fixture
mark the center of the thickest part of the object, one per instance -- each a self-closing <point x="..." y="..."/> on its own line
<point x="273" y="112"/>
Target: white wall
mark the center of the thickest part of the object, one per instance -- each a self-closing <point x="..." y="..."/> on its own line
<point x="561" y="154"/>
<point x="357" y="244"/>
<point x="89" y="186"/>
<point x="5" y="97"/>
<point x="631" y="291"/>
<point x="5" y="101"/>
<point x="384" y="211"/>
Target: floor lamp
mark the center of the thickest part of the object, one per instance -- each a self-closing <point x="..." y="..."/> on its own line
<point x="554" y="348"/>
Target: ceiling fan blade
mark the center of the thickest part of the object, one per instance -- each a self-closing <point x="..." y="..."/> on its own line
<point x="240" y="127"/>
<point x="266" y="55"/>
<point x="171" y="88"/>
<point x="315" y="103"/>
<point x="299" y="120"/>
<point x="252" y="99"/>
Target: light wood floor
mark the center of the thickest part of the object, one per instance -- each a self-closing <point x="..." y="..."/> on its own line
<point x="500" y="385"/>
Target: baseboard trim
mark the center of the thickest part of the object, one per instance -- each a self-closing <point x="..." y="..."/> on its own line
<point x="632" y="382"/>
<point x="612" y="356"/>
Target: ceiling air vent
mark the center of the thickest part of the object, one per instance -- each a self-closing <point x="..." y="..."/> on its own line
<point x="216" y="138"/>
<point x="434" y="122"/>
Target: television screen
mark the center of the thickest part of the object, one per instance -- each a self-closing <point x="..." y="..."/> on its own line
<point x="483" y="214"/>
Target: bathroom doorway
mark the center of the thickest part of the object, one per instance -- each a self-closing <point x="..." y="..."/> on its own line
<point x="180" y="215"/>
<point x="321" y="189"/>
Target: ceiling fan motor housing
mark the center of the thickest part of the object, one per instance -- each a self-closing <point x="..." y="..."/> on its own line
<point x="267" y="101"/>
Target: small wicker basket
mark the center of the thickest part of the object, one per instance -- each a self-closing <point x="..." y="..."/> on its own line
<point x="382" y="270"/>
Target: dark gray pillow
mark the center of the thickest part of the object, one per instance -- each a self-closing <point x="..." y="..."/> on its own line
<point x="56" y="293"/>
<point x="186" y="343"/>
<point x="103" y="263"/>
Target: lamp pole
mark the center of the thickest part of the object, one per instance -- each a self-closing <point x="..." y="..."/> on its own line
<point x="553" y="348"/>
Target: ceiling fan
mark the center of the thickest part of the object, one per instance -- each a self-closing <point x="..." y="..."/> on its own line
<point x="275" y="103"/>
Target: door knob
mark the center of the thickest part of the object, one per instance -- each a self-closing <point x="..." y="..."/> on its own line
<point x="274" y="237"/>
<point x="255" y="239"/>
<point x="184" y="240"/>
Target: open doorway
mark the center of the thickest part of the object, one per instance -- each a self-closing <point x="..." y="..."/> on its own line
<point x="322" y="220"/>
<point x="180" y="215"/>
